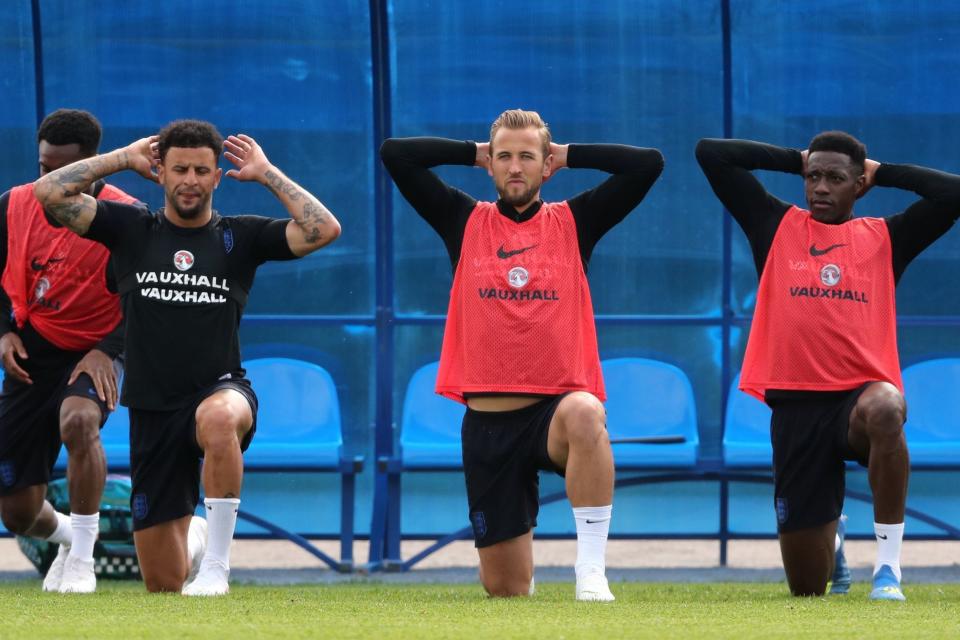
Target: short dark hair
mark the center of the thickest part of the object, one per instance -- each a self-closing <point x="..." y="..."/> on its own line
<point x="189" y="134"/>
<point x="518" y="119"/>
<point x="71" y="126"/>
<point x="840" y="142"/>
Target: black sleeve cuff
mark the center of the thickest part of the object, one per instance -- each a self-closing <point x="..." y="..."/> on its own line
<point x="112" y="343"/>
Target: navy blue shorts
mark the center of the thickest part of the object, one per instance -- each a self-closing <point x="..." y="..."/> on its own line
<point x="502" y="454"/>
<point x="810" y="447"/>
<point x="165" y="458"/>
<point x="30" y="423"/>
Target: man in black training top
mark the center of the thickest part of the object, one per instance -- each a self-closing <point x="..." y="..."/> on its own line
<point x="184" y="274"/>
<point x="520" y="348"/>
<point x="822" y="350"/>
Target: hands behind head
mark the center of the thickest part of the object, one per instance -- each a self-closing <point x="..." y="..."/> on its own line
<point x="143" y="157"/>
<point x="246" y="155"/>
<point x="483" y="156"/>
<point x="559" y="161"/>
<point x="870" y="175"/>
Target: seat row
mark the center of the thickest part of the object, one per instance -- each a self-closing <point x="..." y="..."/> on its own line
<point x="652" y="424"/>
<point x="298" y="430"/>
<point x="651" y="419"/>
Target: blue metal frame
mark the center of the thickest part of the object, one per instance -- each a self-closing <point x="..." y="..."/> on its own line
<point x="386" y="520"/>
<point x="384" y="318"/>
<point x="723" y="535"/>
<point x="382" y="129"/>
<point x="39" y="96"/>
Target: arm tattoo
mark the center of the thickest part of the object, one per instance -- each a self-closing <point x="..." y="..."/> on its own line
<point x="66" y="212"/>
<point x="311" y="215"/>
<point x="75" y="178"/>
<point x="312" y="219"/>
<point x="278" y="185"/>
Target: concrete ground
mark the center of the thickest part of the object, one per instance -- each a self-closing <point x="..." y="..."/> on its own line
<point x="280" y="562"/>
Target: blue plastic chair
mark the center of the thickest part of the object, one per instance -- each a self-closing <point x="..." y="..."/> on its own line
<point x="648" y="399"/>
<point x="430" y="425"/>
<point x="645" y="399"/>
<point x="299" y="430"/>
<point x="932" y="391"/>
<point x="746" y="432"/>
<point x="298" y="423"/>
<point x="429" y="441"/>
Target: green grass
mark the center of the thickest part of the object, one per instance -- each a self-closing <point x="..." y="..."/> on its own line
<point x="374" y="611"/>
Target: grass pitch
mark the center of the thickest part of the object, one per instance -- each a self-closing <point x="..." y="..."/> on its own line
<point x="371" y="610"/>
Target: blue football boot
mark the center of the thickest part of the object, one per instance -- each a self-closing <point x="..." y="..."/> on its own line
<point x="840" y="582"/>
<point x="886" y="586"/>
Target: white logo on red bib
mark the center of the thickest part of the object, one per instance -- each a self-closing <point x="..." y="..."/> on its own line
<point x="183" y="260"/>
<point x="43" y="285"/>
<point x="518" y="277"/>
<point x="830" y="275"/>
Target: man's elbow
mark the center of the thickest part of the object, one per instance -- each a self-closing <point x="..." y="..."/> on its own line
<point x="705" y="147"/>
<point x="389" y="149"/>
<point x="42" y="191"/>
<point x="333" y="233"/>
<point x="656" y="161"/>
<point x="314" y="242"/>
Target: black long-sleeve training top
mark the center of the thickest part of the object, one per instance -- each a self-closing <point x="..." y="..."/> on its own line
<point x="728" y="165"/>
<point x="447" y="209"/>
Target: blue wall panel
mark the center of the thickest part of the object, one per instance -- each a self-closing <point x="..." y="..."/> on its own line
<point x="18" y="162"/>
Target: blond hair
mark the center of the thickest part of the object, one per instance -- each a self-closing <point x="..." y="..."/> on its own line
<point x="520" y="119"/>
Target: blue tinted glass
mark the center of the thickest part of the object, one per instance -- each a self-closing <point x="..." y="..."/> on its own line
<point x="878" y="76"/>
<point x="18" y="112"/>
<point x="306" y="99"/>
<point x="345" y="351"/>
<point x="414" y="346"/>
<point x="697" y="351"/>
<point x="917" y="344"/>
<point x="619" y="73"/>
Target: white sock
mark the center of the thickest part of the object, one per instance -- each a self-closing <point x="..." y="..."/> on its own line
<point x="63" y="534"/>
<point x="85" y="531"/>
<point x="194" y="545"/>
<point x="593" y="524"/>
<point x="221" y="522"/>
<point x="889" y="541"/>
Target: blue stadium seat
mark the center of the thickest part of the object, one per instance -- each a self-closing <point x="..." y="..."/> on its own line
<point x="299" y="430"/>
<point x="647" y="399"/>
<point x="430" y="425"/>
<point x="298" y="423"/>
<point x="429" y="441"/>
<point x="650" y="398"/>
<point x="932" y="390"/>
<point x="746" y="432"/>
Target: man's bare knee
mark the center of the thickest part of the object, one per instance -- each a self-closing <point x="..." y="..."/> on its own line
<point x="804" y="589"/>
<point x="80" y="428"/>
<point x="584" y="420"/>
<point x="17" y="518"/>
<point x="164" y="574"/>
<point x="883" y="411"/>
<point x="506" y="586"/>
<point x="163" y="584"/>
<point x="219" y="423"/>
